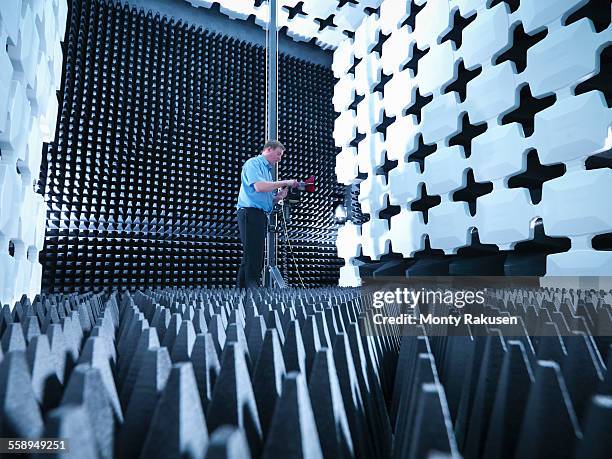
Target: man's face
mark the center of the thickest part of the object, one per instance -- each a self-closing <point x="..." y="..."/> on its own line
<point x="274" y="155"/>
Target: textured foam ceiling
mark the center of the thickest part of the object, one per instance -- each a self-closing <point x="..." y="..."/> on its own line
<point x="324" y="20"/>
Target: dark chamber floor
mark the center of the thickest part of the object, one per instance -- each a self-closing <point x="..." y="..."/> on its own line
<point x="290" y="374"/>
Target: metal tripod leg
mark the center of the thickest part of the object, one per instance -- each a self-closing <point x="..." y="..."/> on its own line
<point x="276" y="278"/>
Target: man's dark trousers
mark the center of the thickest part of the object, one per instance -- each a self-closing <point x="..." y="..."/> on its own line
<point x="252" y="224"/>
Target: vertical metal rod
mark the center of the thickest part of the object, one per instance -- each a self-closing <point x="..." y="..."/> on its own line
<point x="272" y="124"/>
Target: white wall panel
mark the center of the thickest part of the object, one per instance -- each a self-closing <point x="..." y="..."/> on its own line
<point x="498" y="153"/>
<point x="574" y="127"/>
<point x="375" y="238"/>
<point x="566" y="56"/>
<point x="578" y="203"/>
<point x="392" y="14"/>
<point x="448" y="226"/>
<point x="432" y="23"/>
<point x="399" y="93"/>
<point x="444" y="170"/>
<point x="404" y="183"/>
<point x="371" y="153"/>
<point x="505" y="217"/>
<point x="407" y="232"/>
<point x="565" y="124"/>
<point x="441" y="118"/>
<point x="395" y="51"/>
<point x="536" y="14"/>
<point x="436" y="68"/>
<point x="486" y="37"/>
<point x="402" y="137"/>
<point x="492" y="93"/>
<point x="30" y="73"/>
<point x="347" y="165"/>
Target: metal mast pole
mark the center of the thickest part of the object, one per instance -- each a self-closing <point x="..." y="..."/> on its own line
<point x="272" y="126"/>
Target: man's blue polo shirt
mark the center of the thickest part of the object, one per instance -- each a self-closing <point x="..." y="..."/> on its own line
<point x="256" y="169"/>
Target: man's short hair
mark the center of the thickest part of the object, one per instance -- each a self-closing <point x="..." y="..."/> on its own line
<point x="274" y="144"/>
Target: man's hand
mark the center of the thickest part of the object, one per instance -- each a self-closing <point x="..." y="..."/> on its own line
<point x="282" y="194"/>
<point x="291" y="183"/>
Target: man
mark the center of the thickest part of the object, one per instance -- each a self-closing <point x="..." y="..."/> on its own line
<point x="258" y="194"/>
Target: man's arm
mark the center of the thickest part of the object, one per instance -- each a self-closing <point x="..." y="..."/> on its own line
<point x="266" y="187"/>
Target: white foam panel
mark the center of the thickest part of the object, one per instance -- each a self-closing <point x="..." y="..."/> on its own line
<point x="375" y="238"/>
<point x="347" y="166"/>
<point x="571" y="128"/>
<point x="433" y="22"/>
<point x="348" y="244"/>
<point x="395" y="52"/>
<point x="407" y="232"/>
<point x="371" y="153"/>
<point x="344" y="56"/>
<point x="404" y="183"/>
<point x="30" y="72"/>
<point x="392" y="14"/>
<point x="492" y="24"/>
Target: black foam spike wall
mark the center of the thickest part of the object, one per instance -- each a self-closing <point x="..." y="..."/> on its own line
<point x="223" y="373"/>
<point x="306" y="121"/>
<point x="156" y="118"/>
